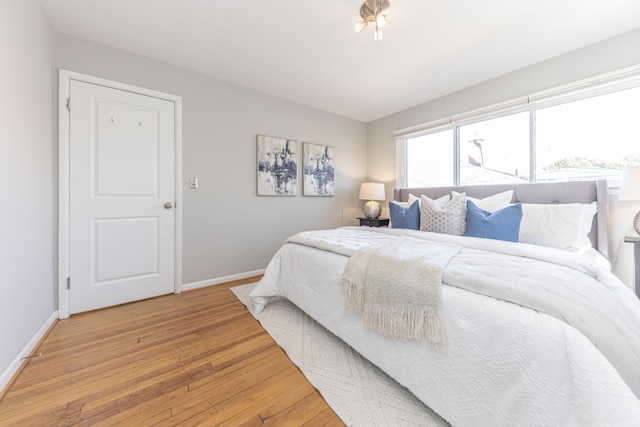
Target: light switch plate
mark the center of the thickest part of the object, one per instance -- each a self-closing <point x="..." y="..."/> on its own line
<point x="193" y="183"/>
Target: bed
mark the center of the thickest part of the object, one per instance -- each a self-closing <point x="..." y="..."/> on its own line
<point x="533" y="334"/>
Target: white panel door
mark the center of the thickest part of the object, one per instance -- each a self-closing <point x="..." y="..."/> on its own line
<point x="122" y="219"/>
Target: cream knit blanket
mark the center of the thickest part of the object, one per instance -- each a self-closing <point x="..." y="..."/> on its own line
<point x="396" y="288"/>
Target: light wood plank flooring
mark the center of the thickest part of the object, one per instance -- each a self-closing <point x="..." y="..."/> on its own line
<point x="199" y="358"/>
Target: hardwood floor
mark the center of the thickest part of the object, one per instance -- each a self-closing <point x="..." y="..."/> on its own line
<point x="199" y="358"/>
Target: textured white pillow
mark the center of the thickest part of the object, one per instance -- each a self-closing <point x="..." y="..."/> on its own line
<point x="491" y="203"/>
<point x="561" y="226"/>
<point x="448" y="218"/>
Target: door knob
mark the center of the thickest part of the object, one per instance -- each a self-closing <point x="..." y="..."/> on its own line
<point x="168" y="205"/>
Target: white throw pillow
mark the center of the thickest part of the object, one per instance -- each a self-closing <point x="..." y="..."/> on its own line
<point x="561" y="226"/>
<point x="491" y="203"/>
<point x="448" y="218"/>
<point x="442" y="200"/>
<point x="413" y="199"/>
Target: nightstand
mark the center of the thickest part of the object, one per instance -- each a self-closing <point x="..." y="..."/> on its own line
<point x="635" y="239"/>
<point x="377" y="222"/>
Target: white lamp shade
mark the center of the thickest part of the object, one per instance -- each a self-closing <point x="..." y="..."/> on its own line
<point x="372" y="191"/>
<point x="630" y="188"/>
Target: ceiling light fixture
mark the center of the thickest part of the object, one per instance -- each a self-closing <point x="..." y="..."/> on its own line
<point x="373" y="11"/>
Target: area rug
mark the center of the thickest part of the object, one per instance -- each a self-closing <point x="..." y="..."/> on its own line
<point x="358" y="392"/>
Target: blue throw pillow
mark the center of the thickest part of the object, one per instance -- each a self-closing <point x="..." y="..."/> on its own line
<point x="402" y="217"/>
<point x="503" y="224"/>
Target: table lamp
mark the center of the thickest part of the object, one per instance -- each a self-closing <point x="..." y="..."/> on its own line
<point x="630" y="190"/>
<point x="372" y="191"/>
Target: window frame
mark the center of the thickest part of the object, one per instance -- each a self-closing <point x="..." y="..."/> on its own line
<point x="626" y="78"/>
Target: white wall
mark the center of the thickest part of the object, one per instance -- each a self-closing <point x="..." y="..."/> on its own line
<point x="26" y="176"/>
<point x="228" y="230"/>
<point x="606" y="56"/>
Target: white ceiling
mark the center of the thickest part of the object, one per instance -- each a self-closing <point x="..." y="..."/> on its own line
<point x="308" y="51"/>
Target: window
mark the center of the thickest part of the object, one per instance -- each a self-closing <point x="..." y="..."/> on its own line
<point x="590" y="138"/>
<point x="495" y="151"/>
<point x="586" y="130"/>
<point x="430" y="160"/>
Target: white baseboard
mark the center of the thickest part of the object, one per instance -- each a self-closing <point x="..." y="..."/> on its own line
<point x="13" y="368"/>
<point x="219" y="280"/>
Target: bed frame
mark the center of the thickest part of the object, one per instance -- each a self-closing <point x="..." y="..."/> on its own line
<point x="543" y="193"/>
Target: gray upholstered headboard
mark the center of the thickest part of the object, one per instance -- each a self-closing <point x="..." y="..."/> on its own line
<point x="547" y="192"/>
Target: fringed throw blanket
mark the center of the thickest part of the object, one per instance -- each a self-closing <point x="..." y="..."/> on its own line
<point x="396" y="288"/>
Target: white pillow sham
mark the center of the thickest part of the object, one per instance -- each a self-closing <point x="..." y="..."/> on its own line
<point x="413" y="199"/>
<point x="561" y="226"/>
<point x="491" y="203"/>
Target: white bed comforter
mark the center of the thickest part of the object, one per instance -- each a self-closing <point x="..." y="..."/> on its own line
<point x="504" y="364"/>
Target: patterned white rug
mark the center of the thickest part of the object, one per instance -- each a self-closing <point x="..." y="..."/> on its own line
<point x="358" y="392"/>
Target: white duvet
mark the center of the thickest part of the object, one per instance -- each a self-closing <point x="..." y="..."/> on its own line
<point x="504" y="364"/>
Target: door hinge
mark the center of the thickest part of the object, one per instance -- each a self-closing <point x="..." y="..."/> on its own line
<point x="68" y="282"/>
<point x="69" y="103"/>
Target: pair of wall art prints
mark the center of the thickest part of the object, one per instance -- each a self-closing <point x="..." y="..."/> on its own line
<point x="278" y="168"/>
